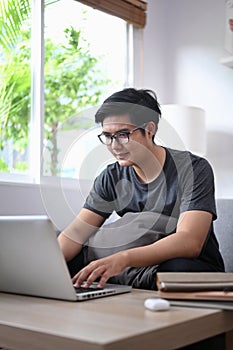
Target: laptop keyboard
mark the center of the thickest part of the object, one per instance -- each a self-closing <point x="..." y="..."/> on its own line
<point x="85" y="290"/>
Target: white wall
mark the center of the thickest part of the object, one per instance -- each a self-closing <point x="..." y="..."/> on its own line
<point x="183" y="45"/>
<point x="57" y="199"/>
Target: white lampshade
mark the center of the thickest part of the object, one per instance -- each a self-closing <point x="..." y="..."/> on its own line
<point x="182" y="128"/>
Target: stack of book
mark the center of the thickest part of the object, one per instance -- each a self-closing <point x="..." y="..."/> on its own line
<point x="197" y="289"/>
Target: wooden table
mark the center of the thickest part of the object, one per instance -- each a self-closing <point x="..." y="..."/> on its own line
<point x="112" y="323"/>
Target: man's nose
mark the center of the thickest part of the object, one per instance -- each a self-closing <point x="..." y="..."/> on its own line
<point x="115" y="144"/>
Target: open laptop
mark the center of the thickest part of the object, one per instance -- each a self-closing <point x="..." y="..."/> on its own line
<point x="31" y="262"/>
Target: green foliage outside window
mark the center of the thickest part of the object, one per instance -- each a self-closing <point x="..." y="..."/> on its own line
<point x="72" y="80"/>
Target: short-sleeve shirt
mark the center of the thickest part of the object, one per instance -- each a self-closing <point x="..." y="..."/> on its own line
<point x="185" y="183"/>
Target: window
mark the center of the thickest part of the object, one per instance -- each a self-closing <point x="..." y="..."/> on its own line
<point x="76" y="62"/>
<point x="84" y="60"/>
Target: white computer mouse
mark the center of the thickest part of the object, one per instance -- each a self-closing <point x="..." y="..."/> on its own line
<point x="156" y="304"/>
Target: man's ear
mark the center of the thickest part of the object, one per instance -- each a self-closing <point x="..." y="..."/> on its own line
<point x="151" y="128"/>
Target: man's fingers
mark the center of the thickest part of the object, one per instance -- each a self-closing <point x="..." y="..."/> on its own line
<point x="101" y="269"/>
<point x="96" y="273"/>
<point x="80" y="277"/>
<point x="103" y="280"/>
<point x="88" y="275"/>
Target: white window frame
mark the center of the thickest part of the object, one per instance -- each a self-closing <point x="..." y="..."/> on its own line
<point x="37" y="88"/>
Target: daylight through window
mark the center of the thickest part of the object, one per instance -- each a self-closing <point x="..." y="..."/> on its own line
<point x="85" y="58"/>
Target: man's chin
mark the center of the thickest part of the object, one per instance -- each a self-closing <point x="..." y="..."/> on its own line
<point x="124" y="162"/>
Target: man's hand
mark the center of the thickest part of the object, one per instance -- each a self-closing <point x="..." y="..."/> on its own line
<point x="103" y="268"/>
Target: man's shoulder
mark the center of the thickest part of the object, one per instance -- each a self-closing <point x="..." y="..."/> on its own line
<point x="182" y="157"/>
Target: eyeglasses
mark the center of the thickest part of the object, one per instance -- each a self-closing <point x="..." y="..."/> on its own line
<point x="121" y="137"/>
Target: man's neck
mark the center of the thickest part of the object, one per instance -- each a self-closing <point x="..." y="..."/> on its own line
<point x="152" y="166"/>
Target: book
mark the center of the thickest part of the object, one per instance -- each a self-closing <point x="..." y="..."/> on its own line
<point x="204" y="299"/>
<point x="194" y="281"/>
<point x="207" y="304"/>
<point x="210" y="295"/>
<point x="197" y="289"/>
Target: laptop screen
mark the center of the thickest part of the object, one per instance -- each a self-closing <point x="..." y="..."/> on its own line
<point x="32" y="263"/>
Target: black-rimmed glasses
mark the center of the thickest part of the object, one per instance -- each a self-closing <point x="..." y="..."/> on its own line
<point x="121" y="137"/>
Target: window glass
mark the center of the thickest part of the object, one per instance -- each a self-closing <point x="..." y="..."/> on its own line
<point x="85" y="59"/>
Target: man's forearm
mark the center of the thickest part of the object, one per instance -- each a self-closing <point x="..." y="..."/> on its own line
<point x="170" y="247"/>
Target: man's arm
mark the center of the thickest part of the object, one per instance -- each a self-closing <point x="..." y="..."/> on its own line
<point x="186" y="242"/>
<point x="73" y="237"/>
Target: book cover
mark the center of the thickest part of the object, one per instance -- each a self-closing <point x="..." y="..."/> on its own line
<point x="194" y="281"/>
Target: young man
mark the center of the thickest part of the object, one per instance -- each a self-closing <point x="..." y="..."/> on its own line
<point x="174" y="188"/>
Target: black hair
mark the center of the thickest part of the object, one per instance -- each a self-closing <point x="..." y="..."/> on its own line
<point x="140" y="105"/>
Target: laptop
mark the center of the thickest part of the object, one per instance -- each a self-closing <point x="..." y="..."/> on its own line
<point x="32" y="263"/>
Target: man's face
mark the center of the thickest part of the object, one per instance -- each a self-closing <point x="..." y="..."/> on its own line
<point x="133" y="152"/>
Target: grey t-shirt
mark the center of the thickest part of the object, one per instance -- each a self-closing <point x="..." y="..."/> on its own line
<point x="186" y="182"/>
